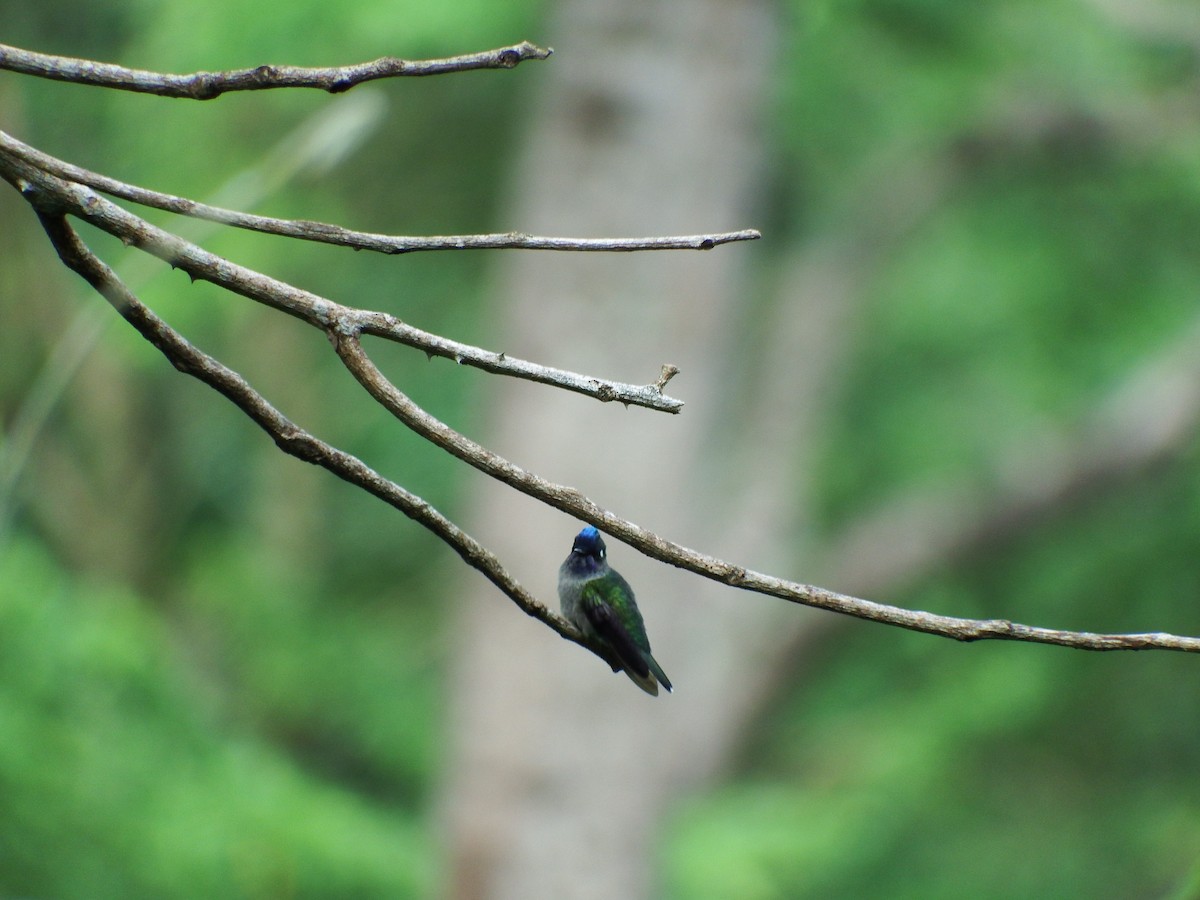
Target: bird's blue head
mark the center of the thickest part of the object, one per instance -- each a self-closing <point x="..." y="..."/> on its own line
<point x="588" y="551"/>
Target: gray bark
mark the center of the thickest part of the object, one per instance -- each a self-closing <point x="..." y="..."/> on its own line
<point x="560" y="773"/>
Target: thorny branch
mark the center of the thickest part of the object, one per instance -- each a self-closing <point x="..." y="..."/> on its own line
<point x="56" y="190"/>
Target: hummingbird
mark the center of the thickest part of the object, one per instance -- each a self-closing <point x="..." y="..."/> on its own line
<point x="599" y="602"/>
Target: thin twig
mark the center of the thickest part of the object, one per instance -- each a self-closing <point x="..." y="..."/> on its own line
<point x="325" y="233"/>
<point x="207" y="85"/>
<point x="316" y="310"/>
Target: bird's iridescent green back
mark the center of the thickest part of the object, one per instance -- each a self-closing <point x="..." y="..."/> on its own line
<point x="614" y="591"/>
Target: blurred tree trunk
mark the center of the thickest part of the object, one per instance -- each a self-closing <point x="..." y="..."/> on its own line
<point x="560" y="774"/>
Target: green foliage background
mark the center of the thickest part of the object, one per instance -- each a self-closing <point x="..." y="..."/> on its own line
<point x="220" y="670"/>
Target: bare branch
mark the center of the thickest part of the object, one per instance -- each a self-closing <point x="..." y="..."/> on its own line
<point x="359" y="240"/>
<point x="290" y="438"/>
<point x="1148" y="420"/>
<point x="569" y="500"/>
<point x="54" y="198"/>
<point x="47" y="191"/>
<point x="207" y="85"/>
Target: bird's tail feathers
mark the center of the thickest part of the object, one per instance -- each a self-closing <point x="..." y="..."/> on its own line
<point x="645" y="682"/>
<point x="657" y="672"/>
<point x="652" y="679"/>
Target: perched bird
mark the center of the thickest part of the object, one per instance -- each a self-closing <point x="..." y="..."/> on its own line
<point x="599" y="602"/>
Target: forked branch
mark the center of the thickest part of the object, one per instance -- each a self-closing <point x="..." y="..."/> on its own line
<point x="290" y="438"/>
<point x="299" y="443"/>
<point x="569" y="500"/>
<point x="48" y="192"/>
<point x="56" y="190"/>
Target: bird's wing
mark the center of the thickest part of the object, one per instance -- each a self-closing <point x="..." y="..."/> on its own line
<point x="610" y="629"/>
